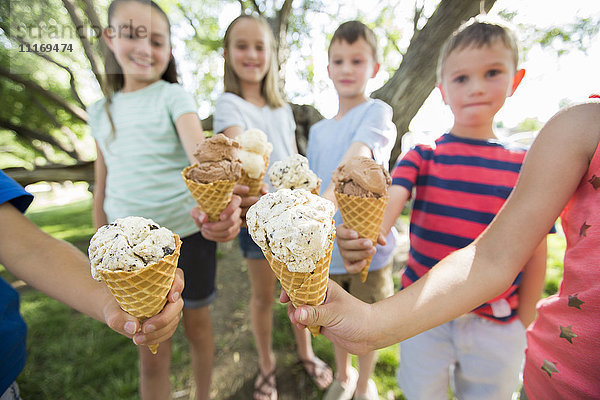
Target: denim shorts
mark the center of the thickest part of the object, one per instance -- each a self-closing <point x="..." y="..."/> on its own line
<point x="249" y="248"/>
<point x="199" y="264"/>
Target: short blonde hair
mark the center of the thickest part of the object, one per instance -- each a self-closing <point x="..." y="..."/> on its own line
<point x="478" y="32"/>
<point x="270" y="85"/>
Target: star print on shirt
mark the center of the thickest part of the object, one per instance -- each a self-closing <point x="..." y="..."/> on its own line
<point x="575" y="302"/>
<point x="583" y="229"/>
<point x="566" y="332"/>
<point x="595" y="181"/>
<point x="549" y="368"/>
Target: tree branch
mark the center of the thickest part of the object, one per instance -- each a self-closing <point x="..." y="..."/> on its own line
<point x="83" y="171"/>
<point x="74" y="110"/>
<point x="49" y="59"/>
<point x="256" y="7"/>
<point x="32" y="135"/>
<point x="92" y="16"/>
<point x="280" y="31"/>
<point x="87" y="47"/>
<point x="69" y="134"/>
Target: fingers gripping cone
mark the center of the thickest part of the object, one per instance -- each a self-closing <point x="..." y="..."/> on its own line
<point x="143" y="293"/>
<point x="304" y="288"/>
<point x="364" y="215"/>
<point x="211" y="197"/>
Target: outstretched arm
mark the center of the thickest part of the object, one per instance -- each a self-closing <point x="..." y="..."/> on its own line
<point x="468" y="277"/>
<point x="62" y="271"/>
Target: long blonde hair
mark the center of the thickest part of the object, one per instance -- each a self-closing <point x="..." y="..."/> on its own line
<point x="270" y="89"/>
<point x="113" y="71"/>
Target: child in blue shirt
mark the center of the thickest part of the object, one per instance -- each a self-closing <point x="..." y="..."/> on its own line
<point x="362" y="126"/>
<point x="62" y="272"/>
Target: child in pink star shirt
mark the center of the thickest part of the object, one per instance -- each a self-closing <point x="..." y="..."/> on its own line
<point x="560" y="176"/>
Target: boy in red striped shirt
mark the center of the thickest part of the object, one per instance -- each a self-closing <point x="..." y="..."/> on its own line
<point x="459" y="185"/>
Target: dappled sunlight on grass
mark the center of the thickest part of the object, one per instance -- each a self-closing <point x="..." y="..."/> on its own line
<point x="68" y="350"/>
<point x="71" y="222"/>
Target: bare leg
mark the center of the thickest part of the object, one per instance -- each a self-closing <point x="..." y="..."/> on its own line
<point x="366" y="363"/>
<point x="314" y="366"/>
<point x="199" y="332"/>
<point x="262" y="281"/>
<point x="154" y="372"/>
<point x="342" y="363"/>
<point x="262" y="297"/>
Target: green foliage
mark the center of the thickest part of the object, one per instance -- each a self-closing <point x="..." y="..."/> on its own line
<point x="577" y="35"/>
<point x="554" y="271"/>
<point x="530" y="125"/>
<point x="41" y="22"/>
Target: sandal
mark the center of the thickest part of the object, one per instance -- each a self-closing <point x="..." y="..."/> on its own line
<point x="266" y="389"/>
<point x="319" y="372"/>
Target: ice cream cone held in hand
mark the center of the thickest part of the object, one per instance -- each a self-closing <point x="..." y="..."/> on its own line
<point x="137" y="260"/>
<point x="294" y="173"/>
<point x="254" y="154"/>
<point x="361" y="187"/>
<point x="212" y="179"/>
<point x="295" y="230"/>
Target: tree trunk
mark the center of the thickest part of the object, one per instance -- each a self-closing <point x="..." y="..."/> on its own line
<point x="413" y="81"/>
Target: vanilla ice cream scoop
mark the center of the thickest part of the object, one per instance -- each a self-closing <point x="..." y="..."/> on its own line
<point x="129" y="244"/>
<point x="294" y="225"/>
<point x="293" y="173"/>
<point x="255" y="149"/>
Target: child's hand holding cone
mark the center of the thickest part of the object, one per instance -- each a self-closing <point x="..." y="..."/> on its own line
<point x="212" y="179"/>
<point x="361" y="193"/>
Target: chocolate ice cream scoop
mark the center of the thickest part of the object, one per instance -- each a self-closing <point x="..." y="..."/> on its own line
<point x="361" y="176"/>
<point x="218" y="159"/>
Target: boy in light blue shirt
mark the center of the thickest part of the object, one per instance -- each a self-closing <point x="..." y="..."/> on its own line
<point x="362" y="126"/>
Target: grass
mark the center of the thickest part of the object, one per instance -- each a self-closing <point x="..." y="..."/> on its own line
<point x="72" y="356"/>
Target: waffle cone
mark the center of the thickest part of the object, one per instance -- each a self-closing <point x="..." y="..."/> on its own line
<point x="211" y="197"/>
<point x="254" y="184"/>
<point x="364" y="215"/>
<point x="304" y="288"/>
<point x="143" y="293"/>
<point x="317" y="189"/>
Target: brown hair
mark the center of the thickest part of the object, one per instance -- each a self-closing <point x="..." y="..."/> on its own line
<point x="113" y="71"/>
<point x="351" y="31"/>
<point x="270" y="89"/>
<point x="478" y="33"/>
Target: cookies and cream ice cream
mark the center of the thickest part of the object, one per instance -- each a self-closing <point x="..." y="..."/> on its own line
<point x="255" y="150"/>
<point x="218" y="159"/>
<point x="129" y="244"/>
<point x="361" y="176"/>
<point x="296" y="226"/>
<point x="294" y="173"/>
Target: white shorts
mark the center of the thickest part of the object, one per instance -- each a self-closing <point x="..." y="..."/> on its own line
<point x="478" y="358"/>
<point x="12" y="393"/>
